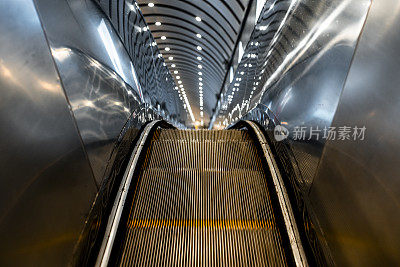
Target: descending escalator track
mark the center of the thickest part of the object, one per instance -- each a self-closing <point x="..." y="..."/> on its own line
<point x="201" y="198"/>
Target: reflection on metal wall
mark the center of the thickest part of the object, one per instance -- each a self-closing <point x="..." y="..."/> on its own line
<point x="46" y="185"/>
<point x="106" y="80"/>
<point x="294" y="67"/>
<point x="356" y="192"/>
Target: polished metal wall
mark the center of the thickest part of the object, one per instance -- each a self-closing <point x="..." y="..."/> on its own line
<point x="294" y="67"/>
<point x="356" y="192"/>
<point x="46" y="183"/>
<point x="106" y="80"/>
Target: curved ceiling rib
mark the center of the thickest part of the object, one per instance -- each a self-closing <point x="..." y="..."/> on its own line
<point x="196" y="39"/>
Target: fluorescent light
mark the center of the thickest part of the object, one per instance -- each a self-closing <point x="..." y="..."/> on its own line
<point x="241" y="52"/>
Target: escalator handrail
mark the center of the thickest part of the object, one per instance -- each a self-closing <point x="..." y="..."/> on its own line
<point x="284" y="202"/>
<point x="119" y="203"/>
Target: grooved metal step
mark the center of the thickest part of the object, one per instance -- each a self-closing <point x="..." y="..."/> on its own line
<point x="202" y="199"/>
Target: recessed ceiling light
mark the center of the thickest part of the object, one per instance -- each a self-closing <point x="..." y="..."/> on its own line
<point x="178" y="77"/>
<point x="198" y="35"/>
<point x="167" y="49"/>
<point x="201" y="84"/>
<point x="179" y="82"/>
<point x="170" y="58"/>
<point x="200" y="79"/>
<point x="198" y="19"/>
<point x="151" y="4"/>
<point x="198" y="47"/>
<point x="158" y="23"/>
<point x="199" y="58"/>
<point x="200" y="66"/>
<point x="175" y="72"/>
<point x="163" y="37"/>
<point x="200" y="73"/>
<point x="181" y="86"/>
<point x="173" y="66"/>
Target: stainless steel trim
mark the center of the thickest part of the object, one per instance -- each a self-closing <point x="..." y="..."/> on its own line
<point x="115" y="216"/>
<point x="290" y="223"/>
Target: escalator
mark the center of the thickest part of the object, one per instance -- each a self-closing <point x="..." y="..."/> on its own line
<point x="201" y="197"/>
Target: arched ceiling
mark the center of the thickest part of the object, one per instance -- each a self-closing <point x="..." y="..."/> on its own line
<point x="197" y="39"/>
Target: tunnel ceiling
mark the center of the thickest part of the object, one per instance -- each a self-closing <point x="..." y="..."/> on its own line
<point x="196" y="39"/>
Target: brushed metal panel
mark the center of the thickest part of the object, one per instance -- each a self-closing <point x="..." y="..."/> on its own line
<point x="356" y="192"/>
<point x="46" y="185"/>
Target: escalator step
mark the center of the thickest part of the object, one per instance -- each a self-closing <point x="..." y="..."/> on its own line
<point x="202" y="199"/>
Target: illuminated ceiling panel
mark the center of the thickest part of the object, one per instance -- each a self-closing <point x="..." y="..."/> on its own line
<point x="196" y="39"/>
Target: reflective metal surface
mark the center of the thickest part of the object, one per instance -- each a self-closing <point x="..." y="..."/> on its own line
<point x="46" y="184"/>
<point x="294" y="67"/>
<point x="104" y="87"/>
<point x="356" y="193"/>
